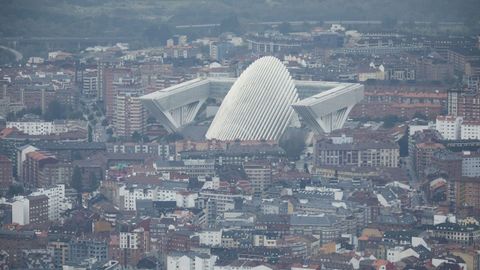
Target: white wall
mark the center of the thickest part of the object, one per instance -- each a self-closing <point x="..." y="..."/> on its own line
<point x="470" y="164"/>
<point x="449" y="127"/>
<point x="210" y="238"/>
<point x="33" y="128"/>
<point x="57" y="202"/>
<point x="470" y="131"/>
<point x="20" y="211"/>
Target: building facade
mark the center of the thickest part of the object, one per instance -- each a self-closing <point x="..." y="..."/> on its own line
<point x="449" y="127"/>
<point x="6" y="174"/>
<point x="470" y="130"/>
<point x="260" y="176"/>
<point x="130" y="116"/>
<point x="367" y="154"/>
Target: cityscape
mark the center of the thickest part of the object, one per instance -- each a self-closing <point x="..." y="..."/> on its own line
<point x="240" y="135"/>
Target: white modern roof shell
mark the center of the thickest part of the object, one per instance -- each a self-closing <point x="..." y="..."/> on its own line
<point x="259" y="105"/>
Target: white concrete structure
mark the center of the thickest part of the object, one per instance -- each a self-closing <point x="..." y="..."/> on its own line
<point x="22" y="152"/>
<point x="328" y="111"/>
<point x="245" y="266"/>
<point x="449" y="126"/>
<point x="342" y="139"/>
<point x="470" y="164"/>
<point x="223" y="201"/>
<point x="130" y="115"/>
<point x="210" y="238"/>
<point x="57" y="202"/>
<point x="21" y="211"/>
<point x="470" y="130"/>
<point x="257" y="105"/>
<point x="397" y="254"/>
<point x="414" y="128"/>
<point x="438" y="261"/>
<point x="190" y="261"/>
<point x="439" y="219"/>
<point x="130" y="194"/>
<point x="186" y="199"/>
<point x="90" y="83"/>
<point x="372" y="73"/>
<point x="47" y="128"/>
<point x="33" y="128"/>
<point x="130" y="240"/>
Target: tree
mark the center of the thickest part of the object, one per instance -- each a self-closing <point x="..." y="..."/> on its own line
<point x="11" y="116"/>
<point x="158" y="34"/>
<point x="94" y="181"/>
<point x="14" y="116"/>
<point x="305" y="168"/>
<point x="403" y="144"/>
<point x="389" y="121"/>
<point x="77" y="179"/>
<point x="77" y="184"/>
<point x="293" y="146"/>
<point x="90" y="133"/>
<point x="55" y="110"/>
<point x="14" y="190"/>
<point x="151" y="120"/>
<point x="109" y="131"/>
<point x="389" y="22"/>
<point x="306" y="26"/>
<point x="173" y="137"/>
<point x="76" y="155"/>
<point x="136" y="136"/>
<point x="230" y="24"/>
<point x="285" y="28"/>
<point x="420" y="115"/>
<point x="105" y="122"/>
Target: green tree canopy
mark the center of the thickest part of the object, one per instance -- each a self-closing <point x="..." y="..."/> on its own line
<point x="230" y="24"/>
<point x="14" y="190"/>
<point x="136" y="136"/>
<point x="158" y="34"/>
<point x="77" y="179"/>
<point x="94" y="181"/>
<point x="285" y="28"/>
<point x="56" y="110"/>
<point x="293" y="146"/>
<point x="389" y="121"/>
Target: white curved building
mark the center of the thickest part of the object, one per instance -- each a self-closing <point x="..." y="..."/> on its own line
<point x="258" y="106"/>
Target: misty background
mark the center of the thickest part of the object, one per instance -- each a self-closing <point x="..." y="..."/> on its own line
<point x="34" y="24"/>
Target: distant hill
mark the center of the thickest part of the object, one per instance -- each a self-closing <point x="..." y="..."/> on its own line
<point x="132" y="17"/>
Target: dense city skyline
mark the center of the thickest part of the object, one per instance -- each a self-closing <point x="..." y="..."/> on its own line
<point x="240" y="134"/>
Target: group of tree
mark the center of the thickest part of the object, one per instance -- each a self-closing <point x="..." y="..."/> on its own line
<point x="157" y="35"/>
<point x="173" y="137"/>
<point x="389" y="121"/>
<point x="84" y="185"/>
<point x="89" y="133"/>
<point x="230" y="24"/>
<point x="285" y="28"/>
<point x="56" y="110"/>
<point x="15" y="116"/>
<point x="14" y="190"/>
<point x="293" y="144"/>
